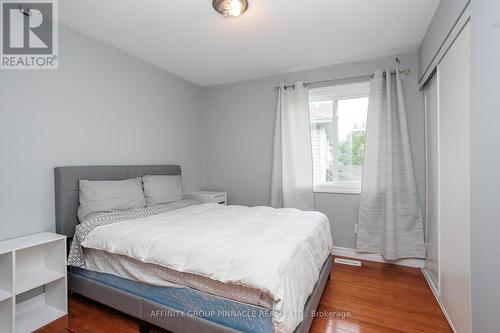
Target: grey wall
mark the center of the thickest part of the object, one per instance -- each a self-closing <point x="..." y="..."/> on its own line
<point x="485" y="160"/>
<point x="444" y="19"/>
<point x="99" y="107"/>
<point x="237" y="158"/>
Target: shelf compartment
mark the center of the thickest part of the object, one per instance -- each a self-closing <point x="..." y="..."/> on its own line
<point x="37" y="317"/>
<point x="6" y="315"/>
<point x="38" y="265"/>
<point x="42" y="309"/>
<point x="34" y="279"/>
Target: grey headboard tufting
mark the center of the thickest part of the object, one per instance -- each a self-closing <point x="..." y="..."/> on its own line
<point x="66" y="187"/>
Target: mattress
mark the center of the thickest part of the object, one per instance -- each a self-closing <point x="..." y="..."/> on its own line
<point x="232" y="314"/>
<point x="135" y="270"/>
<point x="259" y="256"/>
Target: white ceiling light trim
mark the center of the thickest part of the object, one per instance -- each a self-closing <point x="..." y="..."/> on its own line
<point x="230" y="7"/>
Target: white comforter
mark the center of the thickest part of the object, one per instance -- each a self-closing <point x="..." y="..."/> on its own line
<point x="278" y="251"/>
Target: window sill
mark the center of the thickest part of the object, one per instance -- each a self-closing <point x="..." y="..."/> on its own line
<point x="337" y="189"/>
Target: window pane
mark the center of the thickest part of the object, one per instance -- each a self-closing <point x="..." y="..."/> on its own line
<point x="338" y="127"/>
<point x="322" y="139"/>
<point x="351" y="138"/>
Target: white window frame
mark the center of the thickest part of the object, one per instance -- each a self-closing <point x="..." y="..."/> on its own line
<point x="335" y="94"/>
<point x="343" y="187"/>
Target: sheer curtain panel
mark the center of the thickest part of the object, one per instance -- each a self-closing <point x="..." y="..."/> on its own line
<point x="292" y="174"/>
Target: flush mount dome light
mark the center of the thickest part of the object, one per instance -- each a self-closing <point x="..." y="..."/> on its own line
<point x="230" y="7"/>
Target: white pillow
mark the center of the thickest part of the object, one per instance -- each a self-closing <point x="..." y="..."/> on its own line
<point x="107" y="195"/>
<point x="162" y="189"/>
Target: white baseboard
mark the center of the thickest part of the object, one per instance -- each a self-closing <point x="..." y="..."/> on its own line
<point x="435" y="292"/>
<point x="352" y="253"/>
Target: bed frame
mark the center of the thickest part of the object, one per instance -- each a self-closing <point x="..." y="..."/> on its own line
<point x="66" y="206"/>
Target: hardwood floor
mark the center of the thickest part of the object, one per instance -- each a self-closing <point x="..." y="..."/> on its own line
<point x="379" y="298"/>
<point x="372" y="298"/>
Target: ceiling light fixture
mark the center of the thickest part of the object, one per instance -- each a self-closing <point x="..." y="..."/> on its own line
<point x="230" y="7"/>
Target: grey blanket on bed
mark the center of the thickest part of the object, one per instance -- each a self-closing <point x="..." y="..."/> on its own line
<point x="76" y="256"/>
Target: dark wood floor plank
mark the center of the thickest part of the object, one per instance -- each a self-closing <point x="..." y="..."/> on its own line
<point x="373" y="298"/>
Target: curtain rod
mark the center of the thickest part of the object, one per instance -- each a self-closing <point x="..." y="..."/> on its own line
<point x="366" y="76"/>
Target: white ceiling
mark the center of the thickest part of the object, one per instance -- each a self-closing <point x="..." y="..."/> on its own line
<point x="188" y="38"/>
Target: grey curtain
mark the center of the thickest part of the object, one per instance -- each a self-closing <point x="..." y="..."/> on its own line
<point x="390" y="217"/>
<point x="292" y="172"/>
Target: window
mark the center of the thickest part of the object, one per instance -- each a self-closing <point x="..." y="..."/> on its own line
<point x="338" y="127"/>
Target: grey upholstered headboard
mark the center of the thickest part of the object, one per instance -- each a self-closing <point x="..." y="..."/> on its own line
<point x="67" y="190"/>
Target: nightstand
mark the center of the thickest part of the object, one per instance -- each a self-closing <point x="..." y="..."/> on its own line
<point x="208" y="196"/>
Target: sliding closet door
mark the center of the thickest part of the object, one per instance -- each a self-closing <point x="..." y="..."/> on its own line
<point x="454" y="181"/>
<point x="431" y="120"/>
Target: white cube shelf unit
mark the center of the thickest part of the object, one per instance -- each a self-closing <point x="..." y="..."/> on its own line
<point x="33" y="282"/>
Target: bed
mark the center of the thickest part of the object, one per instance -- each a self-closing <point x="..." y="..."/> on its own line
<point x="183" y="292"/>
